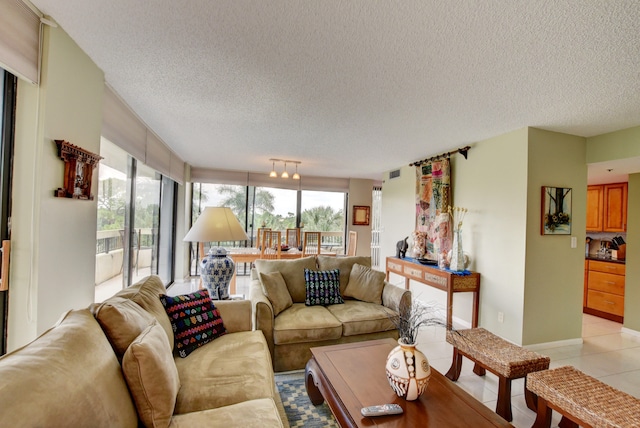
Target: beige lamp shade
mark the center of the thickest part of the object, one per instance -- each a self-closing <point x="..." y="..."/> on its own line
<point x="216" y="224"/>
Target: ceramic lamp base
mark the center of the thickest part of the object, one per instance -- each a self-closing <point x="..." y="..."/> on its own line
<point x="216" y="270"/>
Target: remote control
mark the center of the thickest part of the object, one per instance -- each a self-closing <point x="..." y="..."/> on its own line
<point x="384" y="409"/>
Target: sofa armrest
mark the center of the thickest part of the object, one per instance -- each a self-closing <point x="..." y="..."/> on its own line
<point x="236" y="314"/>
<point x="393" y="296"/>
<point x="263" y="318"/>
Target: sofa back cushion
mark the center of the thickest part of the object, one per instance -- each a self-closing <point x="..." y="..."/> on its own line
<point x="122" y="320"/>
<point x="146" y="293"/>
<point x="152" y="376"/>
<point x="365" y="284"/>
<point x="276" y="290"/>
<point x="344" y="264"/>
<point x="67" y="377"/>
<point x="293" y="273"/>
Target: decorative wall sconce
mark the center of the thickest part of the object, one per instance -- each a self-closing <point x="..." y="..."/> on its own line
<point x="285" y="174"/>
<point x="78" y="171"/>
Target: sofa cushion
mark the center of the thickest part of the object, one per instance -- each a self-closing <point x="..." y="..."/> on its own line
<point x="323" y="287"/>
<point x="234" y="368"/>
<point x="362" y="317"/>
<point x="365" y="284"/>
<point x="145" y="293"/>
<point x="67" y="377"/>
<point x="122" y="320"/>
<point x="293" y="273"/>
<point x="276" y="291"/>
<point x="260" y="412"/>
<point x="152" y="376"/>
<point x="344" y="264"/>
<point x="194" y="318"/>
<point x="301" y="323"/>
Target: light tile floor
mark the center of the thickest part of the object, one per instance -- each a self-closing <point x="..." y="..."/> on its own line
<point x="607" y="353"/>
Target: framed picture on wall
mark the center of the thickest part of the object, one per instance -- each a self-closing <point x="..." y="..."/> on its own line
<point x="556" y="211"/>
<point x="361" y="215"/>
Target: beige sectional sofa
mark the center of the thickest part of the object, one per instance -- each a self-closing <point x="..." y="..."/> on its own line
<point x="291" y="327"/>
<point x="112" y="365"/>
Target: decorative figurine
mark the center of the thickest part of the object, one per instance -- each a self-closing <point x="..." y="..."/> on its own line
<point x="401" y="248"/>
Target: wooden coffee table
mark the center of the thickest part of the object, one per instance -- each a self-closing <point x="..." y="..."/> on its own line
<point x="352" y="376"/>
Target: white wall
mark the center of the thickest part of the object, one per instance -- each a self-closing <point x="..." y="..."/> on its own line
<point x="53" y="267"/>
<point x="554" y="272"/>
<point x="492" y="184"/>
<point x="523" y="275"/>
<point x="360" y="193"/>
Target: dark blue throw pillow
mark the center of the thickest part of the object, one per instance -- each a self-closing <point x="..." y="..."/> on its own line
<point x="323" y="287"/>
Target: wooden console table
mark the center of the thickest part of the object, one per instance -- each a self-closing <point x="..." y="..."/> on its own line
<point x="440" y="279"/>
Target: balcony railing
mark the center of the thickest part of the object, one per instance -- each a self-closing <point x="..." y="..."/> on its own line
<point x="111" y="240"/>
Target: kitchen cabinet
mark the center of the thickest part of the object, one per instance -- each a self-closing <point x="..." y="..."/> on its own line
<point x="615" y="207"/>
<point x="607" y="207"/>
<point x="595" y="208"/>
<point x="604" y="288"/>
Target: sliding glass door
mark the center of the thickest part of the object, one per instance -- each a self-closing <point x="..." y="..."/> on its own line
<point x="8" y="84"/>
<point x="136" y="219"/>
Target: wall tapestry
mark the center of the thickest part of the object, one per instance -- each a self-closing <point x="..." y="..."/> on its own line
<point x="432" y="235"/>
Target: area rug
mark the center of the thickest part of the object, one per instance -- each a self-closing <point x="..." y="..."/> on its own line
<point x="300" y="411"/>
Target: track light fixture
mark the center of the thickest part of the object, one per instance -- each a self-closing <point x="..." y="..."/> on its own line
<point x="285" y="174"/>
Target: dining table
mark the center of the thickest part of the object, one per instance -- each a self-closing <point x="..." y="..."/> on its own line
<point x="251" y="254"/>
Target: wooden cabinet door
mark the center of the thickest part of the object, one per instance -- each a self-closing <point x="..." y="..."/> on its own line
<point x="615" y="207"/>
<point x="595" y="210"/>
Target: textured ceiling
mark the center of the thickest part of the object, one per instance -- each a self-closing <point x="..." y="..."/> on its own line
<point x="355" y="88"/>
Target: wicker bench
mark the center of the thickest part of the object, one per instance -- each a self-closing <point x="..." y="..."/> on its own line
<point x="582" y="400"/>
<point x="502" y="358"/>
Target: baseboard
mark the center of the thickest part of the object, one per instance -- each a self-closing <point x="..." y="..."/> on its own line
<point x="556" y="344"/>
<point x="460" y="323"/>
<point x="631" y="332"/>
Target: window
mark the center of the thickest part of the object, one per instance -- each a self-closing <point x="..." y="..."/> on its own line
<point x="136" y="222"/>
<point x="324" y="212"/>
<point x="276" y="208"/>
<point x="146" y="221"/>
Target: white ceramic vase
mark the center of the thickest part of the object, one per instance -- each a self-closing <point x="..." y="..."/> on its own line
<point x="408" y="371"/>
<point x="216" y="271"/>
<point x="457" y="256"/>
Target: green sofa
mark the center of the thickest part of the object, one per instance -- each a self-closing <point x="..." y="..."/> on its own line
<point x="85" y="371"/>
<point x="291" y="332"/>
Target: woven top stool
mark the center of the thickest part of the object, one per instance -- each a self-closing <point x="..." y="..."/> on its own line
<point x="502" y="358"/>
<point x="581" y="399"/>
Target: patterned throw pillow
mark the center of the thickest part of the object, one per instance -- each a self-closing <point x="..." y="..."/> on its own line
<point x="194" y="319"/>
<point x="323" y="287"/>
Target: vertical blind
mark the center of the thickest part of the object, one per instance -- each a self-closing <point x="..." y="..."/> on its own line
<point x="19" y="39"/>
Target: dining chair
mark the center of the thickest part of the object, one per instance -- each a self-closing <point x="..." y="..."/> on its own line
<point x="259" y="236"/>
<point x="352" y="244"/>
<point x="271" y="245"/>
<point x="311" y="245"/>
<point x="293" y="237"/>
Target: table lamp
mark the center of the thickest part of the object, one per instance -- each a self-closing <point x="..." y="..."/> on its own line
<point x="216" y="268"/>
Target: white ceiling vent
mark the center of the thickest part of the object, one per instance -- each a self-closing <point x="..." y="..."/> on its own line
<point x="394" y="174"/>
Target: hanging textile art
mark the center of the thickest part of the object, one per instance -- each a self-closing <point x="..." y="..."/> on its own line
<point x="432" y="235"/>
